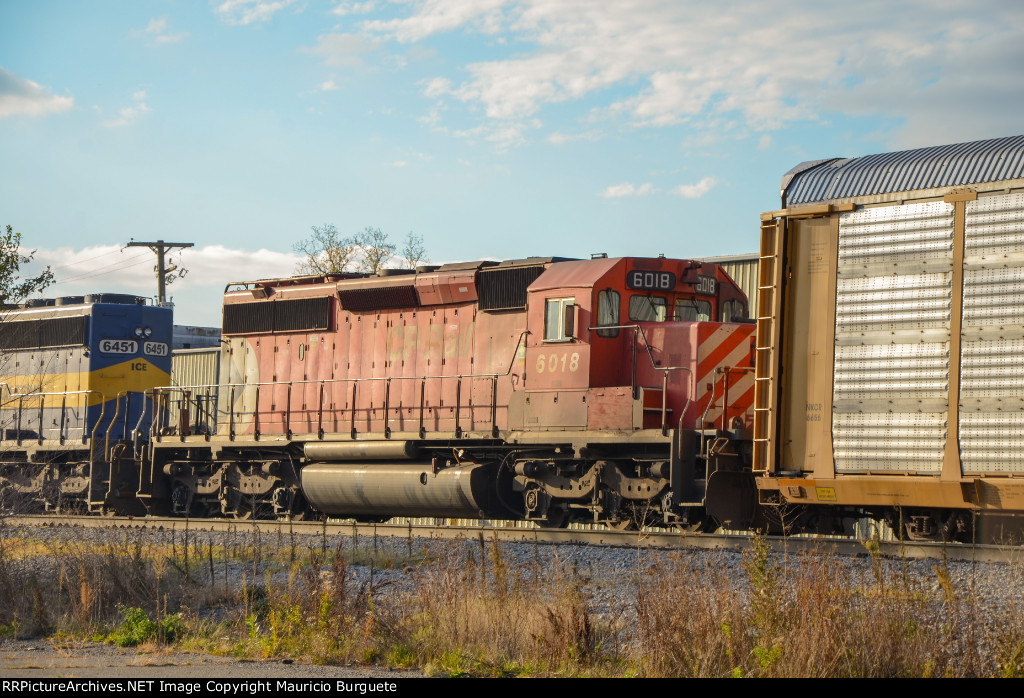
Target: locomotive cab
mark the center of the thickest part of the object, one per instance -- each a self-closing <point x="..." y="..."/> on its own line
<point x="644" y="365"/>
<point x="618" y="344"/>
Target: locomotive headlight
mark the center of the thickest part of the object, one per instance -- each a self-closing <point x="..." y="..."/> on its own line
<point x="148" y="331"/>
<point x="138" y="332"/>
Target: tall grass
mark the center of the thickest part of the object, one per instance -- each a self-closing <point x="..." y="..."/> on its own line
<point x="468" y="608"/>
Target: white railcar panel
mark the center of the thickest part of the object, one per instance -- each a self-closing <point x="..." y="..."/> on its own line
<point x="893" y="309"/>
<point x="992" y="353"/>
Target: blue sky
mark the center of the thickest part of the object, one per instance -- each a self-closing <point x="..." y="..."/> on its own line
<point x="492" y="128"/>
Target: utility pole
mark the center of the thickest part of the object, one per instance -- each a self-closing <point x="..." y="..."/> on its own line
<point x="161" y="248"/>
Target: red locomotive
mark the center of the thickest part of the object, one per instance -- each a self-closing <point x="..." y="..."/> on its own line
<point x="541" y="388"/>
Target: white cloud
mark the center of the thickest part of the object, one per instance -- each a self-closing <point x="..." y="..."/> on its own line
<point x="206" y="265"/>
<point x="436" y="16"/>
<point x="109" y="267"/>
<point x="27" y="98"/>
<point x="130" y="114"/>
<point x="329" y="86"/>
<point x="618" y="191"/>
<point x="559" y="138"/>
<point x="399" y="163"/>
<point x="157" y="33"/>
<point x="249" y="11"/>
<point x="341" y="50"/>
<point x="943" y="68"/>
<point x="504" y="135"/>
<point x="765" y="142"/>
<point x="353" y="8"/>
<point x="695" y="191"/>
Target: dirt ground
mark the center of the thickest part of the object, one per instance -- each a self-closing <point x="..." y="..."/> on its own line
<point x="89" y="660"/>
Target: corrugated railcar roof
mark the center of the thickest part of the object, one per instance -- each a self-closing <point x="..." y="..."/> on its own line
<point x="960" y="164"/>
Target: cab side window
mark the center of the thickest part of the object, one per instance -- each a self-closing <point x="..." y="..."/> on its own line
<point x="607" y="312"/>
<point x="559" y="319"/>
<point x="734" y="311"/>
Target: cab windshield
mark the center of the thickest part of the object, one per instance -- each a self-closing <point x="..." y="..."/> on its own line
<point x="647" y="308"/>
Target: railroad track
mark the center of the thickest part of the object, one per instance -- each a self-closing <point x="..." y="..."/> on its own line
<point x="647" y="538"/>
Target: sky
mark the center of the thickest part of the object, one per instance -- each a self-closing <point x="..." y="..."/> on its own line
<point x="493" y="129"/>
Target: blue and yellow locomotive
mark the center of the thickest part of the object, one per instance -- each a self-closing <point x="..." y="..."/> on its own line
<point x="76" y="381"/>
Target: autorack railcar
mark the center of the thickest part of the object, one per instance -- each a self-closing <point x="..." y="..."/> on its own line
<point x="890" y="360"/>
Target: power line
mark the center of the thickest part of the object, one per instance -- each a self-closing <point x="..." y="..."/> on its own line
<point x="83" y="261"/>
<point x="126" y="264"/>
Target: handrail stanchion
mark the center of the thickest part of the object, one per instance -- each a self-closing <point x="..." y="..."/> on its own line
<point x="423" y="399"/>
<point x="320" y="414"/>
<point x="231" y="414"/>
<point x="353" y="429"/>
<point x="387" y="408"/>
<point x="458" y="404"/>
<point x="494" y="407"/>
<point x="63" y="410"/>
<point x="256" y="414"/>
<point x="288" y="412"/>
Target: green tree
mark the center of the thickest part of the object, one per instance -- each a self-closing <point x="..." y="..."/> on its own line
<point x="14" y="288"/>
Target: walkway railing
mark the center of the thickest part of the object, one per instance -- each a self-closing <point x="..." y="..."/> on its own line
<point x="208" y="421"/>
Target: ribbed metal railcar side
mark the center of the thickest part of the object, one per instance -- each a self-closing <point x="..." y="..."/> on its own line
<point x="896" y="379"/>
<point x="891" y="379"/>
<point x="992" y="350"/>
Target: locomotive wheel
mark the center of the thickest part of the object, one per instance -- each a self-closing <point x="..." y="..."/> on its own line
<point x="704" y="525"/>
<point x="556" y="517"/>
<point x="244" y="510"/>
<point x="623" y="525"/>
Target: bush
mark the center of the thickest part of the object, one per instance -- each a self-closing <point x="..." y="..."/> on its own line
<point x="138" y="628"/>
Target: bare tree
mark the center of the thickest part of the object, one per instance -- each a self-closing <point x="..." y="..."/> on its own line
<point x="14" y="289"/>
<point x="376" y="248"/>
<point x="413" y="252"/>
<point x="327" y="252"/>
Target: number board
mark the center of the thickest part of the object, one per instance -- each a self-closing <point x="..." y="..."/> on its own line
<point x="706" y="285"/>
<point x="118" y="346"/>
<point x="155" y="348"/>
<point x="640" y="280"/>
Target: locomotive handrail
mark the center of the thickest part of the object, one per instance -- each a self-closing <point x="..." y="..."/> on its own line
<point x="127" y="411"/>
<point x="42" y="405"/>
<point x="654" y="364"/>
<point x="728" y="371"/>
<point x="168" y="390"/>
<point x="13" y="394"/>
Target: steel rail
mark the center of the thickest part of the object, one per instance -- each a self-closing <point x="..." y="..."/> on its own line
<point x="598" y="537"/>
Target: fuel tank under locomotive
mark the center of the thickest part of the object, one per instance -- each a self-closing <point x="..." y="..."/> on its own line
<point x="378" y="489"/>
